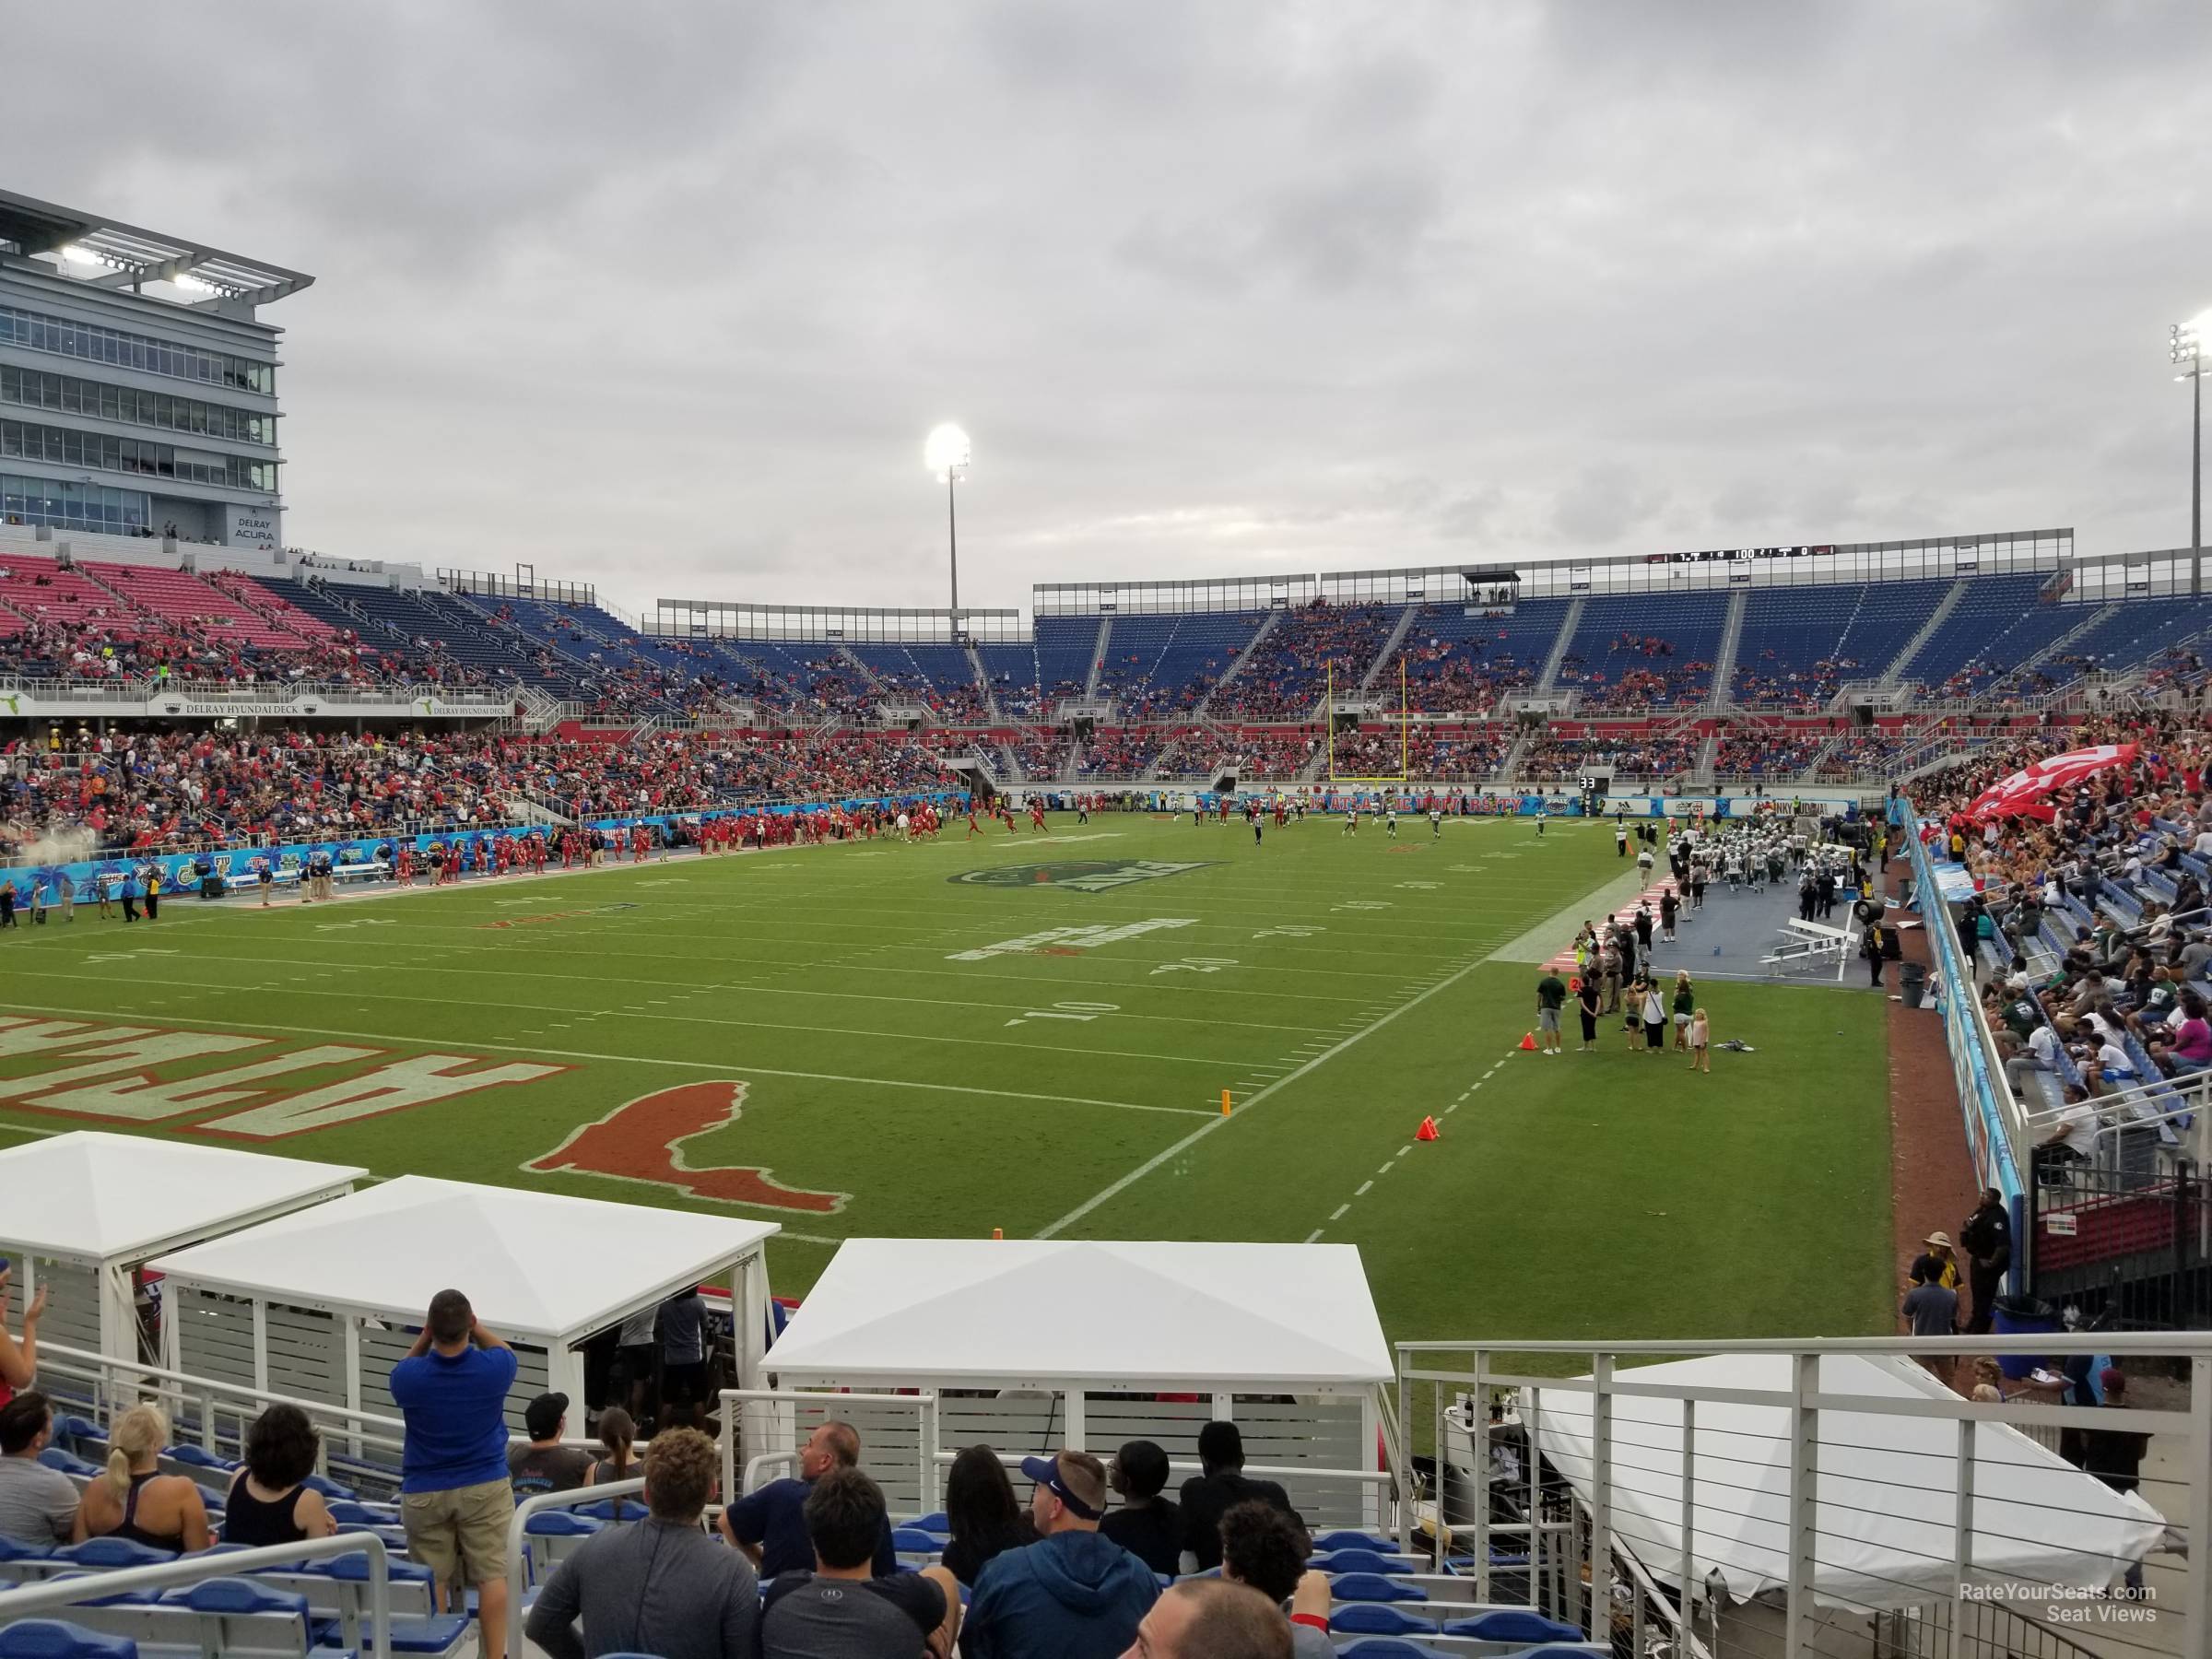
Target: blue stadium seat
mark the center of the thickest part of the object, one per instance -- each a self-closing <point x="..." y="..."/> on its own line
<point x="610" y="1508"/>
<point x="1363" y="1560"/>
<point x="53" y="1458"/>
<point x="112" y="1552"/>
<point x="1389" y="1647"/>
<point x="12" y="1551"/>
<point x="1374" y="1587"/>
<point x="915" y="1538"/>
<point x="198" y="1457"/>
<point x="329" y="1489"/>
<point x="234" y="1595"/>
<point x="1379" y="1619"/>
<point x="1330" y="1542"/>
<point x="561" y="1524"/>
<point x="54" y="1638"/>
<point x="1514" y="1626"/>
<point x="939" y="1523"/>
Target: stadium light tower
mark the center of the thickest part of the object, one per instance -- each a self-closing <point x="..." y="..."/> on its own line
<point x="948" y="453"/>
<point x="2186" y="350"/>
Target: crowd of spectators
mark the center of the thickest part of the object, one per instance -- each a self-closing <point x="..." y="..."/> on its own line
<point x="1562" y="759"/>
<point x="2089" y="930"/>
<point x="1767" y="753"/>
<point x="1286" y="673"/>
<point x="1767" y="682"/>
<point x="170" y="790"/>
<point x="1638" y="671"/>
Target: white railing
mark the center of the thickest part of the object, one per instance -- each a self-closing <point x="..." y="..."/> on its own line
<point x="771" y="1415"/>
<point x="518" y="1531"/>
<point x="1823" y="1490"/>
<point x="56" y="1595"/>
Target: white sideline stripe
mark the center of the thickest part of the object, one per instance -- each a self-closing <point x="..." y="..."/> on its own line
<point x="750" y="1024"/>
<point x="1212" y="1123"/>
<point x="706" y="1066"/>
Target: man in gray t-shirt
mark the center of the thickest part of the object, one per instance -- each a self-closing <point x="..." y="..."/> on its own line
<point x="38" y="1505"/>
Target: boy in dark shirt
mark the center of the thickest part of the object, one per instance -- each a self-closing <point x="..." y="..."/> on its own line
<point x="1148" y="1526"/>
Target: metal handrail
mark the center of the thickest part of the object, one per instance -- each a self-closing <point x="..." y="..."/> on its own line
<point x="537" y="1504"/>
<point x="925" y="1403"/>
<point x="28" y="1600"/>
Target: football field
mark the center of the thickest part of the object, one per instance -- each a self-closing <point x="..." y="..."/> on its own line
<point x="1028" y="1031"/>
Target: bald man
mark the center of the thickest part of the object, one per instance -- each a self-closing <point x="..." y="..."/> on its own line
<point x="1211" y="1618"/>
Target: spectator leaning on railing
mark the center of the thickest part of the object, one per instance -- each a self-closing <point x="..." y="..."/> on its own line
<point x="456" y="1498"/>
<point x="661" y="1585"/>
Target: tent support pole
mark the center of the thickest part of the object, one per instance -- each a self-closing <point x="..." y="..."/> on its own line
<point x="1805" y="1457"/>
<point x="353" y="1389"/>
<point x="1601" y="1494"/>
<point x="1479" y="1437"/>
<point x="261" y="1345"/>
<point x="1962" y="1537"/>
<point x="1072" y="1398"/>
<point x="1683" y="1569"/>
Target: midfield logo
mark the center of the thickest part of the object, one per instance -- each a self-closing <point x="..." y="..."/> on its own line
<point x="1088" y="876"/>
<point x="644" y="1141"/>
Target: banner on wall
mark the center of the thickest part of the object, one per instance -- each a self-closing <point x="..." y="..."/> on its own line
<point x="180" y="871"/>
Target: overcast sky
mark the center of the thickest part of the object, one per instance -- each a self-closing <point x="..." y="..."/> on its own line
<point x="667" y="297"/>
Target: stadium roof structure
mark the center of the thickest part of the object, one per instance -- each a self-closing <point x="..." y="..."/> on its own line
<point x="134" y="257"/>
<point x="544" y="1267"/>
<point x="1042" y="1311"/>
<point x="1886" y="1498"/>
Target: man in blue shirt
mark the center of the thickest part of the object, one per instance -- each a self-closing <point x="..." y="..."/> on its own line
<point x="454" y="1496"/>
<point x="770" y="1525"/>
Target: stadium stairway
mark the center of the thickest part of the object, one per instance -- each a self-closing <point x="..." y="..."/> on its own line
<point x="1723" y="655"/>
<point x="1098" y="656"/>
<point x="1389" y="646"/>
<point x="1911" y="649"/>
<point x="1573" y="620"/>
<point x="1237" y="664"/>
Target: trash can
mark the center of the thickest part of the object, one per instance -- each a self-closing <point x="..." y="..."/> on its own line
<point x="1912" y="983"/>
<point x="2022" y="1315"/>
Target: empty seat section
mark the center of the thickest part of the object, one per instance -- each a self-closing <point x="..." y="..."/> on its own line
<point x="1458" y="660"/>
<point x="1160" y="665"/>
<point x="182" y="599"/>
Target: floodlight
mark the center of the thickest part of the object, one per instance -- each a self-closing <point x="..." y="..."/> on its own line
<point x="76" y="255"/>
<point x="947" y="451"/>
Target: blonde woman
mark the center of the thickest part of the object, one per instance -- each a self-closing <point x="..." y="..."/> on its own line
<point x="134" y="1500"/>
<point x="1701" y="1042"/>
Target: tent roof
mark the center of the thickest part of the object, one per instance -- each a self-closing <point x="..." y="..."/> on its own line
<point x="1005" y="1310"/>
<point x="1884" y="1498"/>
<point x="92" y="1197"/>
<point x="535" y="1265"/>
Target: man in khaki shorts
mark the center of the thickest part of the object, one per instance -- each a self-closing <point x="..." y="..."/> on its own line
<point x="454" y="1496"/>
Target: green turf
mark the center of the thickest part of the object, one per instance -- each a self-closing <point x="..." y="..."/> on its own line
<point x="1337" y="987"/>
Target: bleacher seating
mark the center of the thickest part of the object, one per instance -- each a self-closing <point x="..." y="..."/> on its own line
<point x="1799" y="645"/>
<point x="1636" y="650"/>
<point x="1160" y="665"/>
<point x="1459" y="659"/>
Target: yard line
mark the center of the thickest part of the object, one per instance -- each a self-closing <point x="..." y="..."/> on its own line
<point x="1313" y="1235"/>
<point x="1365" y="1187"/>
<point x="1055" y="1051"/>
<point x="1387" y="1167"/>
<point x="705" y="1066"/>
<point x="1246" y="1111"/>
<point x="1403" y="1151"/>
<point x="1338" y="1215"/>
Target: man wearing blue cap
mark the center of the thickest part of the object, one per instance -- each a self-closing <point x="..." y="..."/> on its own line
<point x="1073" y="1595"/>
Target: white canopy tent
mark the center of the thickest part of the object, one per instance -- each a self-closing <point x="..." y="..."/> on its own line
<point x="1885" y="1496"/>
<point x="319" y="1304"/>
<point x="1071" y="1342"/>
<point x="86" y="1210"/>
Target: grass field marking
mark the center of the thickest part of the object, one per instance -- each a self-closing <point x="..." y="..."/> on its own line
<point x="1405" y="1151"/>
<point x="1339" y="1214"/>
<point x="1388" y="1167"/>
<point x="705" y="1066"/>
<point x="1365" y="1187"/>
<point x="1313" y="1235"/>
<point x="750" y="1024"/>
<point x="1212" y="1123"/>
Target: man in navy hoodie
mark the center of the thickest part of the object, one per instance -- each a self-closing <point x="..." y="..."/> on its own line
<point x="1073" y="1595"/>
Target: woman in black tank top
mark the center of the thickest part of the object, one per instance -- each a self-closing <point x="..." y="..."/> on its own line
<point x="134" y="1500"/>
<point x="267" y="1504"/>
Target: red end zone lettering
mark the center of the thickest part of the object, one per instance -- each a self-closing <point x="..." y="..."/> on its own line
<point x="643" y="1140"/>
<point x="105" y="1074"/>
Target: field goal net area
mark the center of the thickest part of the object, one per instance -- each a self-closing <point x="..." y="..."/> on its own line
<point x="1356" y="759"/>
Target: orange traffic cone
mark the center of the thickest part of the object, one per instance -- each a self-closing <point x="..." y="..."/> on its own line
<point x="1427" y="1130"/>
<point x="1529" y="1042"/>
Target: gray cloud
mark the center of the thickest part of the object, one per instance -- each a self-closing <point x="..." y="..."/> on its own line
<point x="666" y="297"/>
